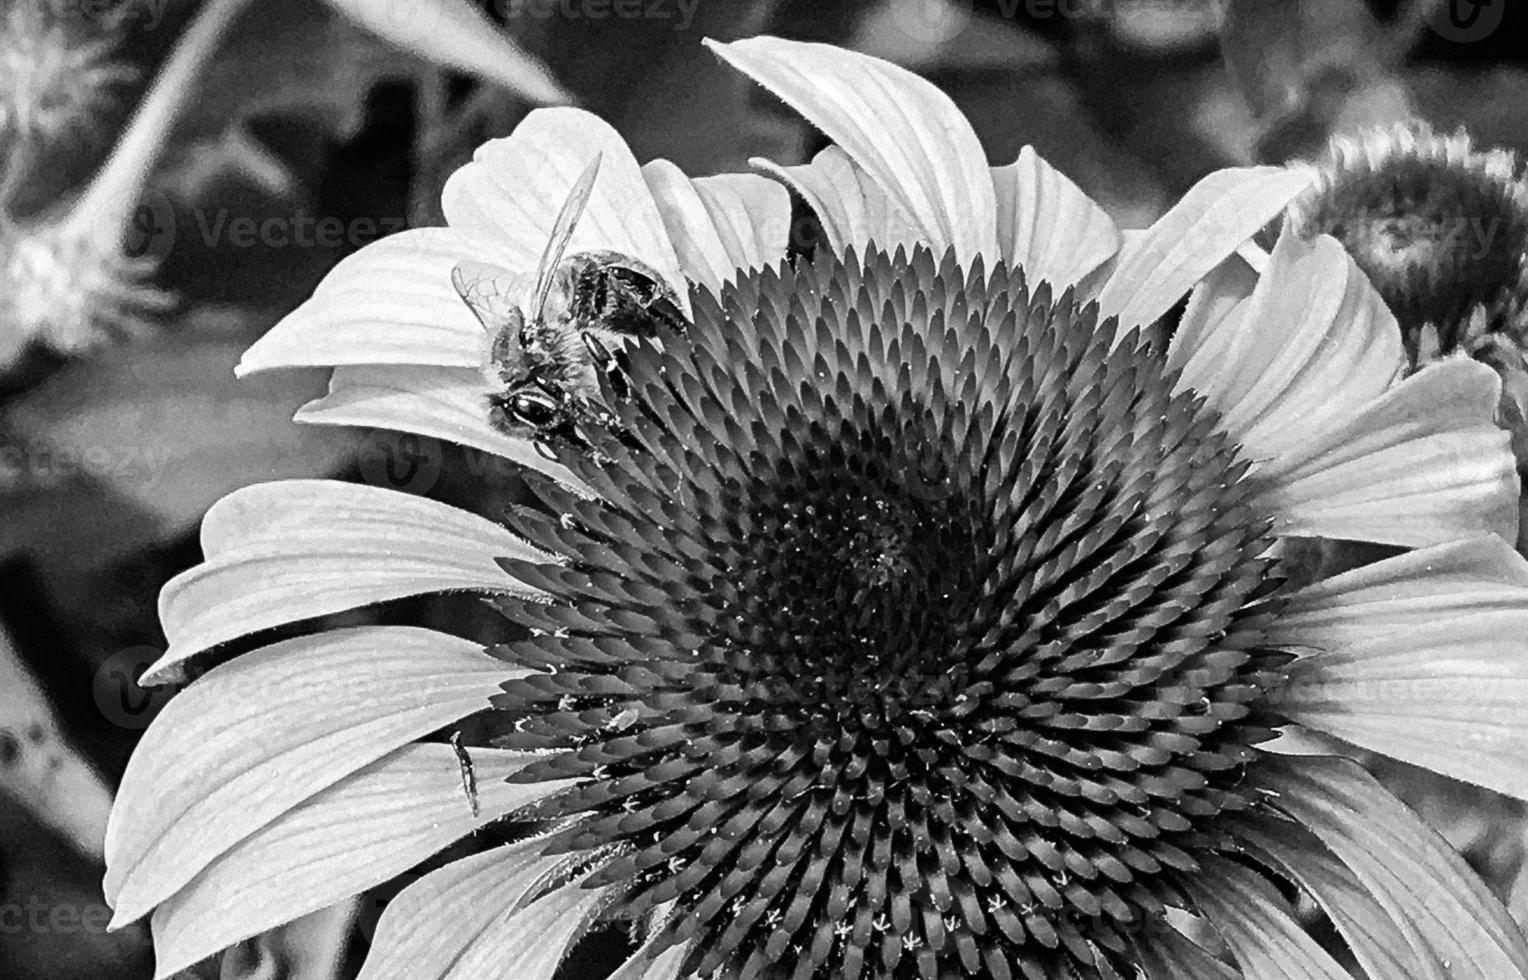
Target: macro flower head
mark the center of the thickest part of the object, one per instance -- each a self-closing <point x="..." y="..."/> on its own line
<point x="1440" y="226"/>
<point x="918" y="608"/>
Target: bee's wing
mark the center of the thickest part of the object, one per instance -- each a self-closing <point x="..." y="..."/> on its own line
<point x="562" y="231"/>
<point x="488" y="291"/>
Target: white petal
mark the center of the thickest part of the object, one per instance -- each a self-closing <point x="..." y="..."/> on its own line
<point x="1217" y="305"/>
<point x="372" y="826"/>
<point x="260" y="734"/>
<point x="428" y="927"/>
<point x="1377" y="942"/>
<point x="1311" y="346"/>
<point x="1422" y="657"/>
<point x="1167" y="954"/>
<point x="1422" y="464"/>
<point x="282" y="552"/>
<point x="853" y="210"/>
<point x="1257" y="925"/>
<point x="438" y="403"/>
<point x="721" y="224"/>
<point x="531" y="943"/>
<point x="1217" y="214"/>
<point x="1047" y="226"/>
<point x="390" y="303"/>
<point x="515" y="186"/>
<point x="905" y="133"/>
<point x="1421" y="882"/>
<point x="664" y="966"/>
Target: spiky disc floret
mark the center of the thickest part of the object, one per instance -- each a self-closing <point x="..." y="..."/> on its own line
<point x="915" y="634"/>
<point x="1440" y="228"/>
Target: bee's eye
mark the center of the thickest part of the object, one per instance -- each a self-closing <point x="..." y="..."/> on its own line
<point x="534" y="409"/>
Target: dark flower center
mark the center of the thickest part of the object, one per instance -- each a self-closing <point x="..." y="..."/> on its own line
<point x="916" y="631"/>
<point x="1437" y="235"/>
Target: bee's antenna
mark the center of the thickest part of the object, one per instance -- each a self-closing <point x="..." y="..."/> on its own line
<point x="562" y="231"/>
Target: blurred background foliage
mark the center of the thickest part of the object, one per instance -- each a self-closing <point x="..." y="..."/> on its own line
<point x="117" y="431"/>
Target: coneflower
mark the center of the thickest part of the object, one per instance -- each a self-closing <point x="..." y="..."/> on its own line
<point x="917" y="611"/>
<point x="1440" y="227"/>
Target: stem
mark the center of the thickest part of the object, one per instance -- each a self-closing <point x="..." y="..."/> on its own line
<point x="103" y="210"/>
<point x="429" y="143"/>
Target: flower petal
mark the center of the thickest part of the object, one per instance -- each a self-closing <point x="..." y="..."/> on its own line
<point x="1215" y="216"/>
<point x="258" y="735"/>
<point x="1047" y="226"/>
<point x="358" y="833"/>
<point x="664" y="966"/>
<point x="1423" y="884"/>
<point x="1167" y="954"/>
<point x="1306" y="352"/>
<point x="1423" y="657"/>
<point x="515" y="186"/>
<point x="1422" y="464"/>
<point x="440" y="403"/>
<point x="531" y="943"/>
<point x="426" y="930"/>
<point x="1265" y="939"/>
<point x="905" y="133"/>
<point x="721" y="224"/>
<point x="282" y="552"/>
<point x="390" y="303"/>
<point x="1381" y="947"/>
<point x="1218" y="303"/>
<point x="854" y="212"/>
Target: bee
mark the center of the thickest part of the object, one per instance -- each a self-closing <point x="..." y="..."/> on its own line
<point x="545" y="360"/>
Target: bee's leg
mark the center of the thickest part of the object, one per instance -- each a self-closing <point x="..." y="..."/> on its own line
<point x="608" y="365"/>
<point x="469" y="774"/>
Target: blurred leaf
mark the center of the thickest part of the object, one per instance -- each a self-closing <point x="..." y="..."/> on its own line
<point x="57" y="924"/>
<point x="39" y="769"/>
<point x="297" y="58"/>
<point x="1309" y="68"/>
<point x="1488" y="102"/>
<point x="163" y="426"/>
<point x="455" y="34"/>
<point x="309" y="948"/>
<point x="648" y="73"/>
<point x="948" y="34"/>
